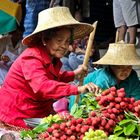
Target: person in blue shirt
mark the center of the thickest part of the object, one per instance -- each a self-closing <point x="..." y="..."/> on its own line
<point x="118" y="71"/>
<point x="31" y="8"/>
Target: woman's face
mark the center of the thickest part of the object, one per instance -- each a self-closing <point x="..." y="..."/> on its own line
<point x="121" y="72"/>
<point x="59" y="44"/>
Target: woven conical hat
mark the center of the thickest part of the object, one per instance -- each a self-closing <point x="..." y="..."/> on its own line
<point x="57" y="17"/>
<point x="120" y="54"/>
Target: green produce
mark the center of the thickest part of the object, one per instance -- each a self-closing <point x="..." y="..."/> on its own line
<point x="114" y="137"/>
<point x="129" y="127"/>
<point x="45" y="123"/>
<point x="51" y="119"/>
<point x="87" y="105"/>
<point x="95" y="135"/>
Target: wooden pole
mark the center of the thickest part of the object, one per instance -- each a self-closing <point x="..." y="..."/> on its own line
<point x="117" y="37"/>
<point x="87" y="54"/>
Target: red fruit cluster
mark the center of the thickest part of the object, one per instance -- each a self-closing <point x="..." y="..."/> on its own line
<point x="75" y="129"/>
<point x="100" y="122"/>
<point x="65" y="115"/>
<point x="113" y="103"/>
<point x="116" y="103"/>
<point x="71" y="130"/>
<point x="136" y="108"/>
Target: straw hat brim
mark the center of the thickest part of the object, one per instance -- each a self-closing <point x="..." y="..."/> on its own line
<point x="57" y="17"/>
<point x="80" y="30"/>
<point x="120" y="54"/>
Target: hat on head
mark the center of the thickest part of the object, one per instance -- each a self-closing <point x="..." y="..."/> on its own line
<point x="120" y="54"/>
<point x="57" y="17"/>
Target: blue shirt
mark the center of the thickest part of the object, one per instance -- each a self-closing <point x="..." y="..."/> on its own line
<point x="33" y="7"/>
<point x="104" y="78"/>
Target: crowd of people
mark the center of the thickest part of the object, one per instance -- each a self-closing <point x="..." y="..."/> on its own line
<point x="44" y="54"/>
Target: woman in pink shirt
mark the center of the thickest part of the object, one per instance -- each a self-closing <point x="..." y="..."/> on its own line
<point x="35" y="81"/>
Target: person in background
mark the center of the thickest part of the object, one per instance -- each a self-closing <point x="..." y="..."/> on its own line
<point x="10" y="48"/>
<point x="117" y="72"/>
<point x="10" y="42"/>
<point x="80" y="9"/>
<point x="125" y="19"/>
<point x="77" y="50"/>
<point x="77" y="53"/>
<point x="35" y="80"/>
<point x="32" y="8"/>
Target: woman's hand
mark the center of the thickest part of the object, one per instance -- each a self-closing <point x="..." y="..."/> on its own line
<point x="90" y="87"/>
<point x="80" y="72"/>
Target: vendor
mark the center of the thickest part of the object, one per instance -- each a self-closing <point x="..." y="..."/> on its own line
<point x="117" y="72"/>
<point x="35" y="81"/>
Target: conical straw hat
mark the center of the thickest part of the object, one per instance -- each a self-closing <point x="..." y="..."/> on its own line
<point x="120" y="54"/>
<point x="57" y="17"/>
